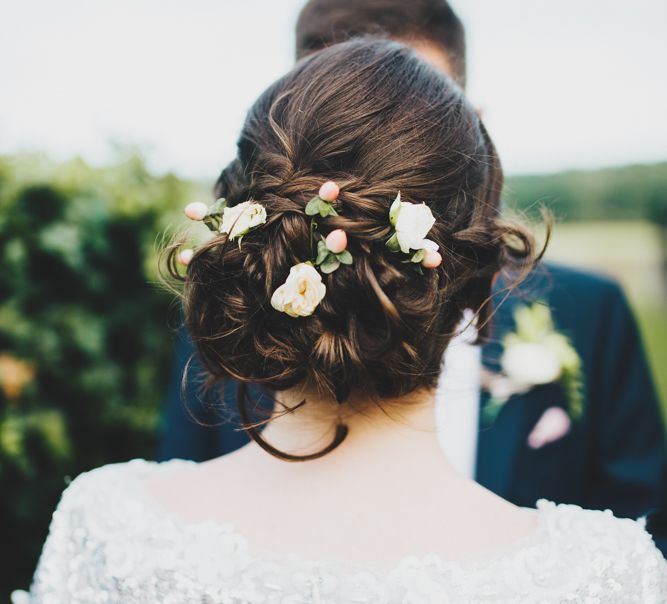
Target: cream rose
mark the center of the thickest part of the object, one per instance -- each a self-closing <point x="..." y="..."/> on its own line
<point x="412" y="223"/>
<point x="239" y="219"/>
<point x="530" y="364"/>
<point x="301" y="293"/>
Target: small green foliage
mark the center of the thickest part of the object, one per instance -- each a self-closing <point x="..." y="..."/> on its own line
<point x="322" y="252"/>
<point x="395" y="210"/>
<point x="328" y="261"/>
<point x="393" y="244"/>
<point x="313" y="206"/>
<point x="327" y="209"/>
<point x="213" y="218"/>
<point x="418" y="256"/>
<point x="317" y="205"/>
<point x="217" y="207"/>
<point x="330" y="264"/>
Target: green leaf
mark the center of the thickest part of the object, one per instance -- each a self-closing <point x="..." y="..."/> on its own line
<point x="344" y="257"/>
<point x="330" y="264"/>
<point x="393" y="244"/>
<point x="314" y="206"/>
<point x="418" y="256"/>
<point x="217" y="207"/>
<point x="212" y="222"/>
<point x="395" y="209"/>
<point x="326" y="209"/>
<point x="322" y="252"/>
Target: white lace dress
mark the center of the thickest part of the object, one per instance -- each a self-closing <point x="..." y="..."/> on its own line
<point x="109" y="542"/>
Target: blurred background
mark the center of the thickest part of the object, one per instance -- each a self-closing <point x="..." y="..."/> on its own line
<point x="113" y="115"/>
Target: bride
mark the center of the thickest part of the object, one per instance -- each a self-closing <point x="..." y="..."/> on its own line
<point x="361" y="220"/>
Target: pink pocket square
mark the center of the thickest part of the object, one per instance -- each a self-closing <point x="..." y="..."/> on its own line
<point x="554" y="424"/>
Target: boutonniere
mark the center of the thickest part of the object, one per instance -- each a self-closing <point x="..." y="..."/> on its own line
<point x="534" y="354"/>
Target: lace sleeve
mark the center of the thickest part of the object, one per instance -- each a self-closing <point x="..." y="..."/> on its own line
<point x="653" y="571"/>
<point x="60" y="561"/>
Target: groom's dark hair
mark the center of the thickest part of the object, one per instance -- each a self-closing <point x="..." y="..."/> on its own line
<point x="322" y="23"/>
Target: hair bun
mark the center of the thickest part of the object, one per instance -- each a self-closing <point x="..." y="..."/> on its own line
<point x="390" y="123"/>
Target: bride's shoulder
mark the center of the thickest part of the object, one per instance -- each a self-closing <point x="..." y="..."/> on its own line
<point x="110" y="490"/>
<point x="601" y="545"/>
<point x="113" y="475"/>
<point x="599" y="528"/>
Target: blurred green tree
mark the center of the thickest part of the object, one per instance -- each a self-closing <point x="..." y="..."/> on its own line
<point x="84" y="342"/>
<point x="635" y="192"/>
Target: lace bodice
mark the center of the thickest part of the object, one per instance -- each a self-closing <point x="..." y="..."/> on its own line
<point x="111" y="542"/>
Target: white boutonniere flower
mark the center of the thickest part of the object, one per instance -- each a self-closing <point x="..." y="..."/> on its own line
<point x="239" y="219"/>
<point x="535" y="353"/>
<point x="301" y="293"/>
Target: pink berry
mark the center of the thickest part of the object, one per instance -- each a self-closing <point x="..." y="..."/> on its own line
<point x="196" y="210"/>
<point x="431" y="259"/>
<point x="184" y="256"/>
<point x="329" y="191"/>
<point x="336" y="241"/>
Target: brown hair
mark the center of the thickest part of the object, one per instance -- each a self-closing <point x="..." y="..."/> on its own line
<point x="322" y="23"/>
<point x="371" y="116"/>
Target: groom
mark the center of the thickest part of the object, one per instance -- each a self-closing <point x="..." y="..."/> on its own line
<point x="614" y="456"/>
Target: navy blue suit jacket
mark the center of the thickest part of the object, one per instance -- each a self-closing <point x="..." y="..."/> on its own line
<point x="615" y="457"/>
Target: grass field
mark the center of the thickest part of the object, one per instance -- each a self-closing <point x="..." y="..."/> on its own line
<point x="631" y="253"/>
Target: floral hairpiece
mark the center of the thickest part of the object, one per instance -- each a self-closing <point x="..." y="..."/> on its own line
<point x="331" y="250"/>
<point x="322" y="203"/>
<point x="235" y="221"/>
<point x="301" y="293"/>
<point x="303" y="289"/>
<point x="411" y="223"/>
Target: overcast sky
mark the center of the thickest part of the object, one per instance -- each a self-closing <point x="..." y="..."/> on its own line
<point x="566" y="84"/>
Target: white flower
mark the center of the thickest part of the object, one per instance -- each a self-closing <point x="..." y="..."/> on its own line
<point x="530" y="364"/>
<point x="412" y="223"/>
<point x="239" y="219"/>
<point x="301" y="293"/>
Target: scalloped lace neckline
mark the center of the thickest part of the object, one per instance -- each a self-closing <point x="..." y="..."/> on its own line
<point x="163" y="515"/>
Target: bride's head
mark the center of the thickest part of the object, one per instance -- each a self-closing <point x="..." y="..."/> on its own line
<point x="376" y="120"/>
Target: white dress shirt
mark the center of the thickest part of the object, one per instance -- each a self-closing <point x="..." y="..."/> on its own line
<point x="457" y="399"/>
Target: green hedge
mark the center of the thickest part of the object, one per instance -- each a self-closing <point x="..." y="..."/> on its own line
<point x="637" y="192"/>
<point x="84" y="343"/>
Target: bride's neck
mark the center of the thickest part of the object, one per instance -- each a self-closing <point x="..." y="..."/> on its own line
<point x="381" y="430"/>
